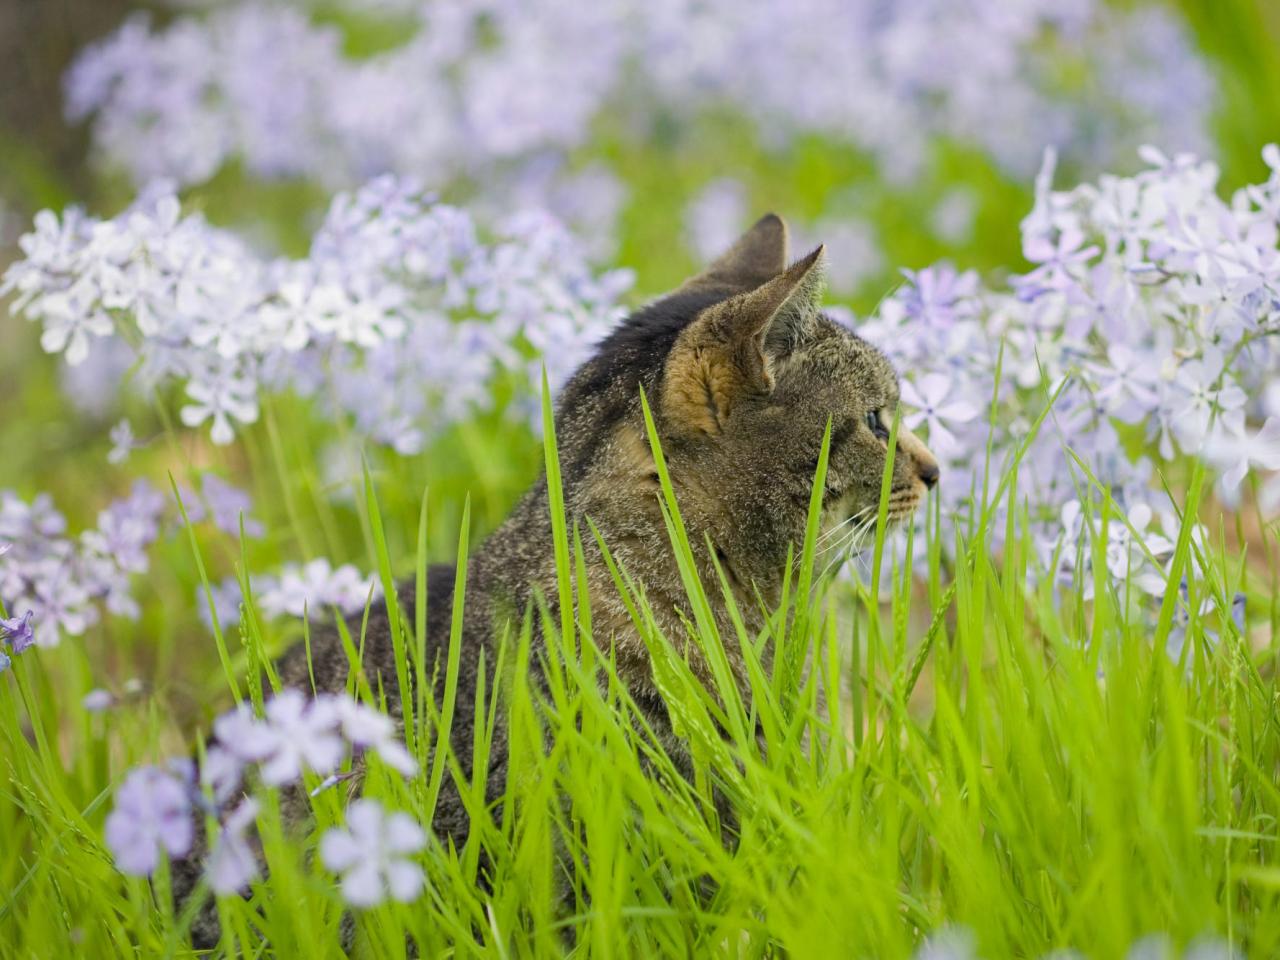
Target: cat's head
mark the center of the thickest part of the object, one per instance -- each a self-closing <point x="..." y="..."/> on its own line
<point x="742" y="370"/>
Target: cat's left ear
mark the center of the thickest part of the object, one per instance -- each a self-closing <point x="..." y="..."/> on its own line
<point x="728" y="352"/>
<point x="756" y="257"/>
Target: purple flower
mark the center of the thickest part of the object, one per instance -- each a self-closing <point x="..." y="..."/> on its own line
<point x="314" y="587"/>
<point x="1236" y="452"/>
<point x="223" y="767"/>
<point x="936" y="406"/>
<point x="232" y="864"/>
<point x="1126" y="383"/>
<point x="227" y="504"/>
<point x="98" y="700"/>
<point x="122" y="442"/>
<point x="371" y="855"/>
<point x="937" y="296"/>
<point x="294" y="735"/>
<point x="152" y="812"/>
<point x="18" y="631"/>
<point x="367" y="728"/>
<point x="1061" y="254"/>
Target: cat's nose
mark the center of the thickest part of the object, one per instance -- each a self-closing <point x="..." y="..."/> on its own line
<point x="925" y="463"/>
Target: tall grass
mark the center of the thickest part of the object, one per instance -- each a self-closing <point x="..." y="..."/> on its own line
<point x="1039" y="771"/>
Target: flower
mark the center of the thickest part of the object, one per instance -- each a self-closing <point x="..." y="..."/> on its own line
<point x="122" y="442"/>
<point x="313" y="587"/>
<point x="399" y="312"/>
<point x="937" y="296"/>
<point x="948" y="943"/>
<point x="295" y="734"/>
<point x="482" y="89"/>
<point x="227" y="504"/>
<point x="371" y="855"/>
<point x="98" y="700"/>
<point x="368" y="728"/>
<point x="935" y="408"/>
<point x="18" y="631"/>
<point x="220" y="399"/>
<point x="1235" y="452"/>
<point x="152" y="813"/>
<point x="232" y="864"/>
<point x="223" y="766"/>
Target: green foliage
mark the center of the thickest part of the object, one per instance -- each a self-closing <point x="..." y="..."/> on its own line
<point x="1052" y="779"/>
<point x="969" y="750"/>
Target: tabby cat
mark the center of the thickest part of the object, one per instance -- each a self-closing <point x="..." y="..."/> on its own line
<point x="742" y="371"/>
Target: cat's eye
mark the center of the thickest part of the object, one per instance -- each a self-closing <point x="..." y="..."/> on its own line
<point x="875" y="423"/>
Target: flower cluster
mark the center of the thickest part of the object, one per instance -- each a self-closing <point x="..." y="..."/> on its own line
<point x="309" y="589"/>
<point x="480" y="90"/>
<point x="56" y="582"/>
<point x="400" y="317"/>
<point x="1150" y="312"/>
<point x="155" y="807"/>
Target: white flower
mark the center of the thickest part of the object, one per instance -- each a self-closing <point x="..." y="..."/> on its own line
<point x="70" y="316"/>
<point x="1235" y="451"/>
<point x="221" y="399"/>
<point x="315" y="586"/>
<point x="371" y="855"/>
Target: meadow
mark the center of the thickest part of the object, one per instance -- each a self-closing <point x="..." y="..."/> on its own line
<point x="289" y="322"/>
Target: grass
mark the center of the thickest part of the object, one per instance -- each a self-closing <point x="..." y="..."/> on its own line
<point x="1042" y="774"/>
<point x="995" y="755"/>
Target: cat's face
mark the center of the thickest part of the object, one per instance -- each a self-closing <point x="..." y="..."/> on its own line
<point x="750" y="382"/>
<point x="743" y="371"/>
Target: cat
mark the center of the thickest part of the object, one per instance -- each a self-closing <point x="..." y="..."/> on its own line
<point x="742" y="370"/>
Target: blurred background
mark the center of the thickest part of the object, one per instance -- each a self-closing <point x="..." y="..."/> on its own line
<point x="898" y="133"/>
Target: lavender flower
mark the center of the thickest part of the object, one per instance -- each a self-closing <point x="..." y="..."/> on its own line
<point x="122" y="442"/>
<point x="371" y="854"/>
<point x="294" y="735"/>
<point x="18" y="631"/>
<point x="937" y="407"/>
<point x="232" y="864"/>
<point x="98" y="700"/>
<point x="399" y="312"/>
<point x="152" y="813"/>
<point x="314" y="587"/>
<point x="477" y="86"/>
<point x="227" y="504"/>
<point x="367" y="728"/>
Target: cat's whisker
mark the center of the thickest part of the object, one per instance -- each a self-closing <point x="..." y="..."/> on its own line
<point x="838" y="528"/>
<point x="854" y="529"/>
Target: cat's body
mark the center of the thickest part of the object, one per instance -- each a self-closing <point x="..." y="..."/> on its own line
<point x="741" y="372"/>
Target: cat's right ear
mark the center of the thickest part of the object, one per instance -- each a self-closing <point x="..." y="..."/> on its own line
<point x="729" y="351"/>
<point x="756" y="257"/>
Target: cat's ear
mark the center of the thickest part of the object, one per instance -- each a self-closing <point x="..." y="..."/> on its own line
<point x="757" y="256"/>
<point x="727" y="353"/>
